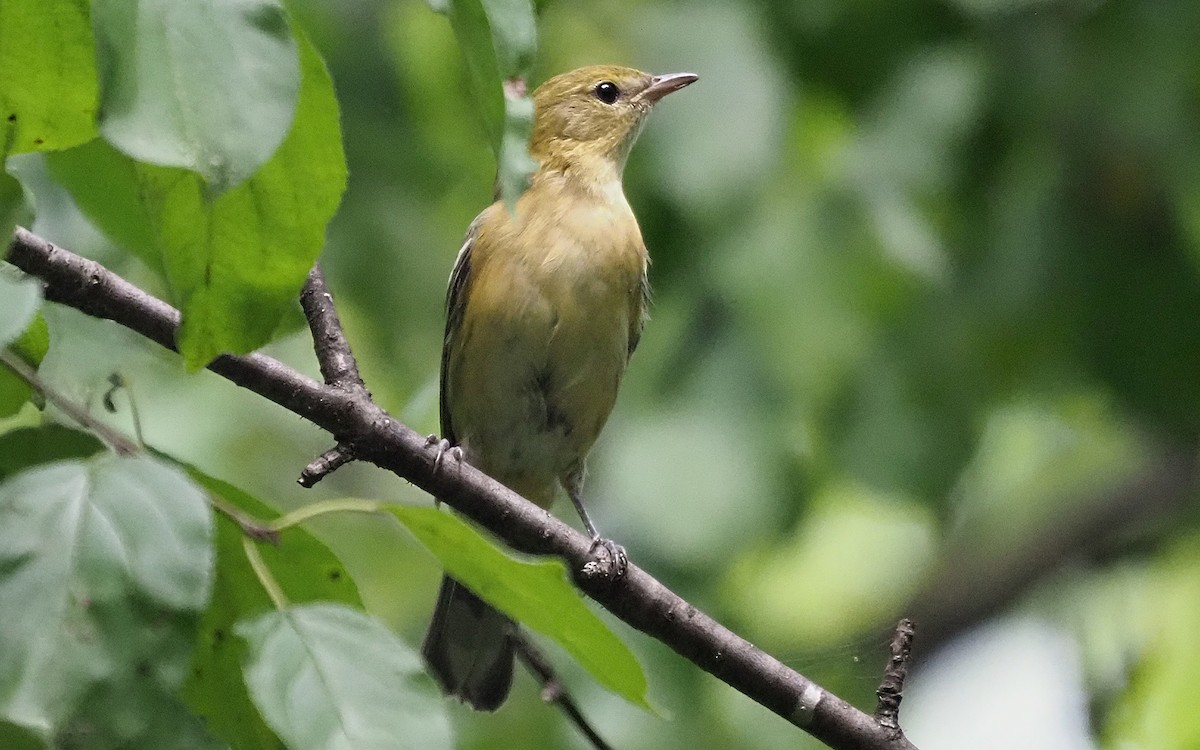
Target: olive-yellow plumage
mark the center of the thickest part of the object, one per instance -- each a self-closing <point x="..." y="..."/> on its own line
<point x="545" y="306"/>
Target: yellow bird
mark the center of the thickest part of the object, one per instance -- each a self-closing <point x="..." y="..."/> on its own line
<point x="545" y="307"/>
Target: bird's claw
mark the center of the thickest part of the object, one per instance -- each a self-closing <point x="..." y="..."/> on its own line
<point x="444" y="448"/>
<point x="609" y="565"/>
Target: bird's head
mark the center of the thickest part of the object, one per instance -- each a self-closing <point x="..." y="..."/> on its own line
<point x="595" y="112"/>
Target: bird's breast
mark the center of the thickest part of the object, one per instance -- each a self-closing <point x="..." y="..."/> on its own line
<point x="545" y="340"/>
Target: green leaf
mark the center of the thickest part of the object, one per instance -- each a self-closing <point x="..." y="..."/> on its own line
<point x="306" y="570"/>
<point x="105" y="566"/>
<point x="498" y="39"/>
<point x="327" y="676"/>
<point x="515" y="163"/>
<point x="30" y="346"/>
<point x="47" y="75"/>
<point x="14" y="209"/>
<point x="17" y="737"/>
<point x="513" y="25"/>
<point x="19" y="301"/>
<point x="538" y="594"/>
<point x="30" y="446"/>
<point x="204" y="85"/>
<point x="106" y="184"/>
<point x="145" y="715"/>
<point x="34" y="341"/>
<point x="234" y="263"/>
<point x="14" y="392"/>
<point x="1154" y="710"/>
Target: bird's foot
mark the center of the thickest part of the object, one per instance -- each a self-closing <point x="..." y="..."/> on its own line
<point x="609" y="561"/>
<point x="444" y="448"/>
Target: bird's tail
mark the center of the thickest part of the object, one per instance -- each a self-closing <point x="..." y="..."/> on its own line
<point x="469" y="647"/>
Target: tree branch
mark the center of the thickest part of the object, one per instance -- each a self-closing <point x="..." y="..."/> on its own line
<point x="373" y="435"/>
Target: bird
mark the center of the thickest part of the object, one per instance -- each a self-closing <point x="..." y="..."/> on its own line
<point x="545" y="305"/>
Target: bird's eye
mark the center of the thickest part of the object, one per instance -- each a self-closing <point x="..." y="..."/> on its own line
<point x="607" y="92"/>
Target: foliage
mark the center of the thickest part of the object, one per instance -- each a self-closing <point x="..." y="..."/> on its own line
<point x="927" y="301"/>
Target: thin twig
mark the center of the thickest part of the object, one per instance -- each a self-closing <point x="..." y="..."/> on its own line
<point x="553" y="691"/>
<point x="117" y="441"/>
<point x="638" y="599"/>
<point x="891" y="689"/>
<point x="338" y="367"/>
<point x="324" y="465"/>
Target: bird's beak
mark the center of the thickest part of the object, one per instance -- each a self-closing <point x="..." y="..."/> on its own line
<point x="662" y="85"/>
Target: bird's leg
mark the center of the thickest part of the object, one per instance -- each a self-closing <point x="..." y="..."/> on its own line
<point x="612" y="569"/>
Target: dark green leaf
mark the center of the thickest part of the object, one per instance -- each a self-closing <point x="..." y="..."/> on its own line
<point x="29" y="446"/>
<point x="325" y="675"/>
<point x="199" y="84"/>
<point x="139" y="714"/>
<point x="306" y="570"/>
<point x="47" y="76"/>
<point x="17" y="737"/>
<point x="538" y="594"/>
<point x="105" y="566"/>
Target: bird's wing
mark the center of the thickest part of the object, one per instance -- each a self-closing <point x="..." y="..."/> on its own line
<point x="456" y="303"/>
<point x="641" y="312"/>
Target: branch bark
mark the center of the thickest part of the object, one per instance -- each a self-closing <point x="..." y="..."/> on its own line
<point x="373" y="435"/>
<point x="337" y="363"/>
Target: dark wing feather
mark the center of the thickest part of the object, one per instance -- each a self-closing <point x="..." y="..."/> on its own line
<point x="456" y="303"/>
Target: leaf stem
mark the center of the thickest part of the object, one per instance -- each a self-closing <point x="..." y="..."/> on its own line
<point x="254" y="528"/>
<point x="259" y="565"/>
<point x="308" y="512"/>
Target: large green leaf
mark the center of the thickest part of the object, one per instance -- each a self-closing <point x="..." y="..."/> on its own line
<point x="498" y="39"/>
<point x="205" y="85"/>
<point x="105" y="566"/>
<point x="327" y="676"/>
<point x="234" y="263"/>
<point x="305" y="569"/>
<point x="47" y="75"/>
<point x="538" y="594"/>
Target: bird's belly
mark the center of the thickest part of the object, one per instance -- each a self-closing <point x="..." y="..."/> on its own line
<point x="536" y="378"/>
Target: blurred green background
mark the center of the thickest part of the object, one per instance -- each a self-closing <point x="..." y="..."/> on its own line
<point x="925" y="342"/>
